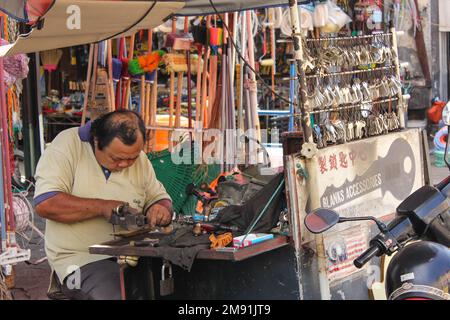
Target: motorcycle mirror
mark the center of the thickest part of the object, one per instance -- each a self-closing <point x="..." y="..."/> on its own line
<point x="320" y="220"/>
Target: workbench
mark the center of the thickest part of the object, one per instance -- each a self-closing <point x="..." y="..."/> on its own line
<point x="262" y="271"/>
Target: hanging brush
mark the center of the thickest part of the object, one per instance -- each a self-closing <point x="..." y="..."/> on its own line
<point x="265" y="63"/>
<point x="177" y="62"/>
<point x="146" y="63"/>
<point x="50" y="60"/>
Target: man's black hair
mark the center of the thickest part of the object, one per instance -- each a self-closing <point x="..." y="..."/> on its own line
<point x="122" y="124"/>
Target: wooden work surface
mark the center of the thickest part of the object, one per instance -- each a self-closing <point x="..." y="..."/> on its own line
<point x="122" y="247"/>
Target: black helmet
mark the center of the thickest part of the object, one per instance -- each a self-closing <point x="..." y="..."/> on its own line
<point x="420" y="270"/>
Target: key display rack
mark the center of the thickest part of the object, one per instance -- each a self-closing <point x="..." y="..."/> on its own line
<point x="350" y="87"/>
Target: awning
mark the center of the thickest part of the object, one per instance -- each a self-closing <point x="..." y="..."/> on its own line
<point x="99" y="20"/>
<point x="202" y="7"/>
<point x="106" y="19"/>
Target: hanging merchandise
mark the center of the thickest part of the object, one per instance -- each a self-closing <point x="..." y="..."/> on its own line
<point x="16" y="67"/>
<point x="204" y="102"/>
<point x="252" y="90"/>
<point x="101" y="73"/>
<point x="265" y="62"/>
<point x="215" y="39"/>
<point x="200" y="32"/>
<point x="277" y="17"/>
<point x="126" y="99"/>
<point x="353" y="87"/>
<point x="177" y="62"/>
<point x="179" y="41"/>
<point x="50" y="60"/>
<point x="146" y="63"/>
<point x="320" y="14"/>
<point x="368" y="17"/>
<point x="189" y="73"/>
<point x="166" y="27"/>
<point x="172" y="91"/>
<point x="305" y="13"/>
<point x="336" y="20"/>
<point x="10" y="254"/>
<point x="101" y="102"/>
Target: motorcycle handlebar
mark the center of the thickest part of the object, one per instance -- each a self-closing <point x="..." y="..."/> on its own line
<point x="366" y="256"/>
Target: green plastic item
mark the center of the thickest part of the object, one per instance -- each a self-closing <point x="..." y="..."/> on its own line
<point x="134" y="68"/>
<point x="175" y="178"/>
<point x="439" y="158"/>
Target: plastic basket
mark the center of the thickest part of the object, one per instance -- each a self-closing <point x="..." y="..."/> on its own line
<point x="175" y="178"/>
<point x="439" y="158"/>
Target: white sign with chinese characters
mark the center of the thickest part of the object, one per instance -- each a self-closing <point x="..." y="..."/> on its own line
<point x="369" y="177"/>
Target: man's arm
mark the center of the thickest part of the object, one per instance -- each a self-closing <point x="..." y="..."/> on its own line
<point x="158" y="205"/>
<point x="66" y="208"/>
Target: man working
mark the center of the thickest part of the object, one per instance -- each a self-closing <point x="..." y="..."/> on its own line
<point x="81" y="178"/>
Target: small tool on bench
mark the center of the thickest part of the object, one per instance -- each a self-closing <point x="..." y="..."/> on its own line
<point x="147" y="242"/>
<point x="128" y="218"/>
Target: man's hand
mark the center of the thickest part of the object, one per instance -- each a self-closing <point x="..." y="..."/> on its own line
<point x="158" y="215"/>
<point x="108" y="207"/>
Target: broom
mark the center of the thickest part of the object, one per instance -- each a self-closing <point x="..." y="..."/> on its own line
<point x="111" y="77"/>
<point x="189" y="74"/>
<point x="50" y="60"/>
<point x="128" y="87"/>
<point x="172" y="92"/>
<point x="204" y="89"/>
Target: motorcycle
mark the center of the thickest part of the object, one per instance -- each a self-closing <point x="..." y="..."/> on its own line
<point x="419" y="236"/>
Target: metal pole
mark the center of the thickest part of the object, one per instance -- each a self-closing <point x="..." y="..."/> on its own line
<point x="33" y="135"/>
<point x="298" y="55"/>
<point x="2" y="205"/>
<point x="307" y="134"/>
<point x="252" y="80"/>
<point x="292" y="82"/>
<point x="402" y="107"/>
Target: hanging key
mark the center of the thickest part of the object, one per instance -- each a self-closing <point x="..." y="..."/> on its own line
<point x="350" y="131"/>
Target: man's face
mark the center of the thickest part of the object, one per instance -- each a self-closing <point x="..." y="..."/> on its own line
<point x="117" y="155"/>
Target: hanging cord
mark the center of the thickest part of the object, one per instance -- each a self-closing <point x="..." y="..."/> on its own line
<point x="245" y="61"/>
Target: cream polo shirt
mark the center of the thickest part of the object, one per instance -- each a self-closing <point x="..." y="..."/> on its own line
<point x="69" y="165"/>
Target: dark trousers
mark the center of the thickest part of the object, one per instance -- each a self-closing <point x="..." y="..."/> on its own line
<point x="98" y="280"/>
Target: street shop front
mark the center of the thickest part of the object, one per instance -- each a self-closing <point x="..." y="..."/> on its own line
<point x="348" y="149"/>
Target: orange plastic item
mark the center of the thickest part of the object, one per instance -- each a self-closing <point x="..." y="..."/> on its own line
<point x="435" y="112"/>
<point x="162" y="135"/>
<point x="222" y="240"/>
<point x="150" y="62"/>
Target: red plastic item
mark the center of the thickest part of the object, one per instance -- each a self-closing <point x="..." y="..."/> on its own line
<point x="215" y="36"/>
<point x="435" y="112"/>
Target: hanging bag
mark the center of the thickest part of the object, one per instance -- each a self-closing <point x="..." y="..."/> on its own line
<point x="200" y="32"/>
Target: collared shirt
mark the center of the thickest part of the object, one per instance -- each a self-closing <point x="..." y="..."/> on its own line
<point x="69" y="165"/>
